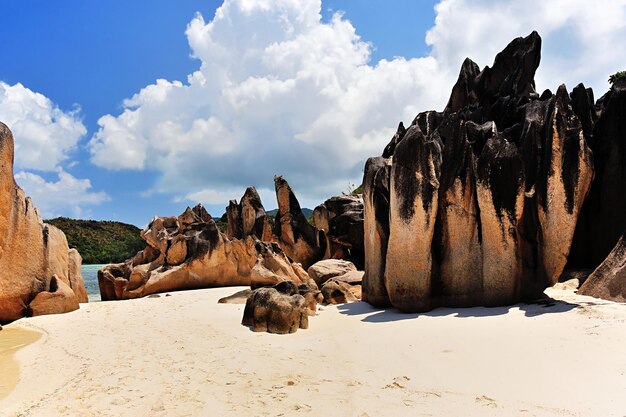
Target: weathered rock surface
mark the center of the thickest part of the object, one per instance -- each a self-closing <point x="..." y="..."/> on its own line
<point x="240" y="297"/>
<point x="338" y="292"/>
<point x="376" y="226"/>
<point x="31" y="252"/>
<point x="608" y="281"/>
<point x="189" y="252"/>
<point x="75" y="276"/>
<point x="301" y="241"/>
<point x="483" y="198"/>
<point x="59" y="298"/>
<point x="341" y="219"/>
<point x="322" y="271"/>
<point x="278" y="309"/>
<point x="351" y="277"/>
<point x="248" y="218"/>
<point x="603" y="215"/>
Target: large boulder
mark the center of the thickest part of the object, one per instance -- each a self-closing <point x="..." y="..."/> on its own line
<point x="483" y="197"/>
<point x="338" y="292"/>
<point x="189" y="252"/>
<point x="31" y="252"/>
<point x="608" y="281"/>
<point x="274" y="311"/>
<point x="59" y="298"/>
<point x="322" y="271"/>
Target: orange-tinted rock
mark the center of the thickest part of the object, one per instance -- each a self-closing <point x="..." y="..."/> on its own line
<point x="76" y="276"/>
<point x="322" y="271"/>
<point x="31" y="252"/>
<point x="608" y="281"/>
<point x="337" y="292"/>
<point x="183" y="255"/>
<point x="301" y="241"/>
<point x="59" y="298"/>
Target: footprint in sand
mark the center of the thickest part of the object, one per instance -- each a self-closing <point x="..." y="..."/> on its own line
<point x="398" y="382"/>
<point x="486" y="401"/>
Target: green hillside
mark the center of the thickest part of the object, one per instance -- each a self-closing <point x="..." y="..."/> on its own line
<point x="101" y="242"/>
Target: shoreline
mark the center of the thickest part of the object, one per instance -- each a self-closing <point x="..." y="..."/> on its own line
<point x="12" y="340"/>
<point x="188" y="355"/>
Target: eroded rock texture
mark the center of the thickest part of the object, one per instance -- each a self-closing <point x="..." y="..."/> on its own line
<point x="341" y="219"/>
<point x="603" y="218"/>
<point x="300" y="240"/>
<point x="279" y="309"/>
<point x="248" y="218"/>
<point x="34" y="256"/>
<point x="477" y="205"/>
<point x="608" y="281"/>
<point x="189" y="252"/>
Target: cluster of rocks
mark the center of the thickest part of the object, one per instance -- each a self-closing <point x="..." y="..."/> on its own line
<point x="39" y="274"/>
<point x="479" y="204"/>
<point x="335" y="233"/>
<point x="189" y="252"/>
<point x="286" y="307"/>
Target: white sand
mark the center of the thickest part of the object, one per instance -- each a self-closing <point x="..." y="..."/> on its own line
<point x="186" y="355"/>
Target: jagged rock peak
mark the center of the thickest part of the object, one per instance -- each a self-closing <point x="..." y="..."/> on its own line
<point x="512" y="74"/>
<point x="477" y="204"/>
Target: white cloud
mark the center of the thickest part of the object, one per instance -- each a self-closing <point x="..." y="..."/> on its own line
<point x="65" y="197"/>
<point x="44" y="138"/>
<point x="279" y="91"/>
<point x="44" y="134"/>
<point x="581" y="39"/>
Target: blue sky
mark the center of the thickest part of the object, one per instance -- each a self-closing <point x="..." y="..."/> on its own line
<point x="276" y="90"/>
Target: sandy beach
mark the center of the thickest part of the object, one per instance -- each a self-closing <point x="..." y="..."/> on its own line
<point x="187" y="355"/>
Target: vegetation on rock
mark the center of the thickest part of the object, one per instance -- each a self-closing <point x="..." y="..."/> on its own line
<point x="101" y="242"/>
<point x="617" y="76"/>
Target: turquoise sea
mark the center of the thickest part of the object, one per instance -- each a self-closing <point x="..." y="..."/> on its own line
<point x="90" y="276"/>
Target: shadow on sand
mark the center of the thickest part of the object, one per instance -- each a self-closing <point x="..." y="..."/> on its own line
<point x="532" y="309"/>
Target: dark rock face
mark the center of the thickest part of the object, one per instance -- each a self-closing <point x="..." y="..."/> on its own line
<point x="477" y="205"/>
<point x="608" y="281"/>
<point x="248" y="218"/>
<point x="603" y="218"/>
<point x="279" y="309"/>
<point x="341" y="218"/>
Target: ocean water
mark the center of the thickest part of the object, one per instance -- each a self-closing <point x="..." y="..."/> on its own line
<point x="90" y="276"/>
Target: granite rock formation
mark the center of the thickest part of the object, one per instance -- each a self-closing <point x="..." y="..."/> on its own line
<point x="279" y="309"/>
<point x="301" y="241"/>
<point x="336" y="232"/>
<point x="603" y="216"/>
<point x="189" y="252"/>
<point x="248" y="218"/>
<point x="477" y="205"/>
<point x="32" y="253"/>
<point x="339" y="292"/>
<point x="322" y="271"/>
<point x="341" y="219"/>
<point x="608" y="281"/>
